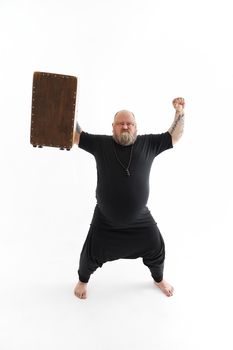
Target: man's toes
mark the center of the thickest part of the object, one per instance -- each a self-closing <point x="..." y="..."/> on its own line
<point x="171" y="291"/>
<point x="168" y="291"/>
<point x="77" y="294"/>
<point x="81" y="295"/>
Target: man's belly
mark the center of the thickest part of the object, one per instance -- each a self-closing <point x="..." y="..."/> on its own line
<point x="122" y="205"/>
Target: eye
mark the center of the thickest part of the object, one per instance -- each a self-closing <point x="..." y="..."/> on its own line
<point x="122" y="124"/>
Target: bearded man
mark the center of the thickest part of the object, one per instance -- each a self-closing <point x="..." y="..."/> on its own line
<point x="122" y="226"/>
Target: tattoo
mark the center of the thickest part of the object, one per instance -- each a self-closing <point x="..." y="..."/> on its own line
<point x="78" y="128"/>
<point x="179" y="119"/>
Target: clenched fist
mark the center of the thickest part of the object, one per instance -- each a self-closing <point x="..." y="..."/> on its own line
<point x="178" y="104"/>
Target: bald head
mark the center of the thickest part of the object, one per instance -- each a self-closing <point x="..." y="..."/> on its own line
<point x="124" y="113"/>
<point x="124" y="128"/>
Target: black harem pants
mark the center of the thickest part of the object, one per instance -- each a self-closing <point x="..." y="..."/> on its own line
<point x="104" y="243"/>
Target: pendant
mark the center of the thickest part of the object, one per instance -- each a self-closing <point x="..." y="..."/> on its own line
<point x="127" y="172"/>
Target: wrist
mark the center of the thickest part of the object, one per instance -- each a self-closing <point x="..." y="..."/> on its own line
<point x="180" y="113"/>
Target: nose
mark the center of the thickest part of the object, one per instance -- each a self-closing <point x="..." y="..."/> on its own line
<point x="125" y="126"/>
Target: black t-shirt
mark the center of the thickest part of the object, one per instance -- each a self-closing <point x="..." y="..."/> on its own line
<point x="122" y="199"/>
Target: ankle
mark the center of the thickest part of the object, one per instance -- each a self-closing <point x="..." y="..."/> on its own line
<point x="159" y="281"/>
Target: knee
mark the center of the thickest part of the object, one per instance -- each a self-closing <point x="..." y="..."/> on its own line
<point x="154" y="257"/>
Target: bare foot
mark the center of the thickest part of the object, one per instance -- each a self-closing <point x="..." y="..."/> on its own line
<point x="81" y="290"/>
<point x="165" y="287"/>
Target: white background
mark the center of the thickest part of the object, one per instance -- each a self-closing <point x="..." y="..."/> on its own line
<point x="137" y="55"/>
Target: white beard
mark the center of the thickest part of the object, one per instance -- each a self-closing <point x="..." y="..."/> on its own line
<point x="125" y="138"/>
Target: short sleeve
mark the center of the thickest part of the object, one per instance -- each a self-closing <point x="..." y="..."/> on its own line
<point x="89" y="142"/>
<point x="160" y="142"/>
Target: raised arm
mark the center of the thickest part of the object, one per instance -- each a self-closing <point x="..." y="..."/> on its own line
<point x="77" y="133"/>
<point x="177" y="127"/>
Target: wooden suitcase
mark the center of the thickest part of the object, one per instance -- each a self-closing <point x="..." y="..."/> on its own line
<point x="53" y="110"/>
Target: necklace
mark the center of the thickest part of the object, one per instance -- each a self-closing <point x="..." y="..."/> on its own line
<point x="126" y="169"/>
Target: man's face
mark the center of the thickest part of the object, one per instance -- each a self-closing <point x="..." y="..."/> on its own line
<point x="124" y="128"/>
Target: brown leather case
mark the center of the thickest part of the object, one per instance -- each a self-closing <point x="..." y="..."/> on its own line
<point x="53" y="110"/>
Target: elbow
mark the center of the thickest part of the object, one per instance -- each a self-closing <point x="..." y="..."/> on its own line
<point x="76" y="138"/>
<point x="174" y="141"/>
<point x="176" y="138"/>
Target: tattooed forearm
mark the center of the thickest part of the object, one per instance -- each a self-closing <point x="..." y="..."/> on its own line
<point x="179" y="120"/>
<point x="177" y="127"/>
